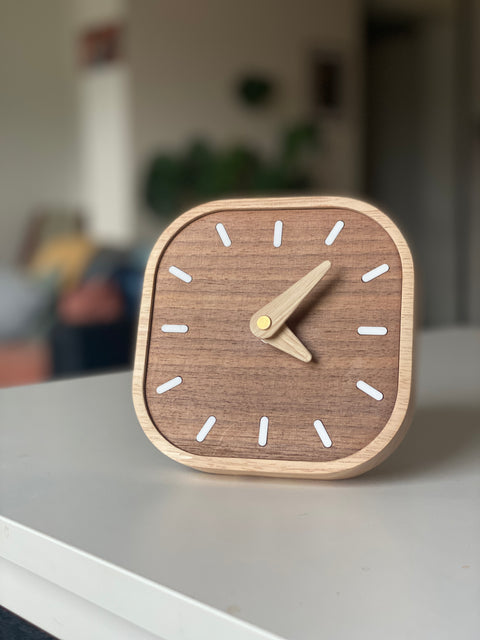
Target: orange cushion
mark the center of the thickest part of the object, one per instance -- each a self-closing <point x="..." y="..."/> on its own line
<point x="24" y="363"/>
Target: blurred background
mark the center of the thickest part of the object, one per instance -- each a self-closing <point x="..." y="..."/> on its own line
<point x="117" y="115"/>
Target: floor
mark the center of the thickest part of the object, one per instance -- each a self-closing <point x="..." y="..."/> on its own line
<point x="14" y="628"/>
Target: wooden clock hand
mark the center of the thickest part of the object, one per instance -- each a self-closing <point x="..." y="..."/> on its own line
<point x="287" y="341"/>
<point x="267" y="321"/>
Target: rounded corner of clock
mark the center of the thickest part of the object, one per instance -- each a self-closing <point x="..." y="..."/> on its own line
<point x="152" y="432"/>
<point x="205" y="464"/>
<point x="395" y="429"/>
<point x="140" y="403"/>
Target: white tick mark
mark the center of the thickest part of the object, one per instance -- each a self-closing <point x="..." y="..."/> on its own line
<point x="170" y="384"/>
<point x="322" y="432"/>
<point x="374" y="273"/>
<point x="332" y="236"/>
<point x="372" y="331"/>
<point x="178" y="273"/>
<point x="205" y="430"/>
<point x="222" y="232"/>
<point x="174" y="328"/>
<point x="277" y="234"/>
<point x="263" y="431"/>
<point x="369" y="390"/>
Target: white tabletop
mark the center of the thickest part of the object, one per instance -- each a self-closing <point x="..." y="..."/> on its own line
<point x="395" y="553"/>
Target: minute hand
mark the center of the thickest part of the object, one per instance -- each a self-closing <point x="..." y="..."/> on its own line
<point x="280" y="308"/>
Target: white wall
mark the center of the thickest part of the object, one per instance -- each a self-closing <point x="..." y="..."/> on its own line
<point x="105" y="145"/>
<point x="186" y="56"/>
<point x="65" y="132"/>
<point x="38" y="159"/>
<point x="412" y="147"/>
<point x="437" y="172"/>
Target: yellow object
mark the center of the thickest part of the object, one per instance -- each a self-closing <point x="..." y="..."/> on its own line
<point x="66" y="256"/>
<point x="264" y="322"/>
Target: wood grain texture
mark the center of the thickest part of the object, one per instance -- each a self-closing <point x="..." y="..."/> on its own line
<point x="284" y="304"/>
<point x="285" y="340"/>
<point x="230" y="374"/>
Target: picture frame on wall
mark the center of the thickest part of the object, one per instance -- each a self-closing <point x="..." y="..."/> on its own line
<point x="327" y="81"/>
<point x="101" y="45"/>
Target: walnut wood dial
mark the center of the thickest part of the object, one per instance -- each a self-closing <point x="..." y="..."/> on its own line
<point x="213" y="391"/>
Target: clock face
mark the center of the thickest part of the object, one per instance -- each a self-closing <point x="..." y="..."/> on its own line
<point x="213" y="389"/>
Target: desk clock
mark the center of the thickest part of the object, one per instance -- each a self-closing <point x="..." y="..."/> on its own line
<point x="275" y="338"/>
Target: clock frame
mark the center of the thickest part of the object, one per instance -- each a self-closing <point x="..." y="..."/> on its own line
<point x="310" y="429"/>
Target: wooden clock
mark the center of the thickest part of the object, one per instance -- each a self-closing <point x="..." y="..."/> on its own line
<point x="275" y="338"/>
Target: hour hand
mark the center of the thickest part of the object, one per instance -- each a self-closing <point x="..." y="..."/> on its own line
<point x="271" y="317"/>
<point x="287" y="341"/>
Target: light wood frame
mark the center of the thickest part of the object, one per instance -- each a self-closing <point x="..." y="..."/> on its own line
<point x="359" y="462"/>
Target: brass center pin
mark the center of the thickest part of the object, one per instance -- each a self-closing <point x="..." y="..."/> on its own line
<point x="264" y="322"/>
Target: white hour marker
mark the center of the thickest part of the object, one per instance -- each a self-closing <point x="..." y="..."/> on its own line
<point x="178" y="273"/>
<point x="277" y="234"/>
<point x="332" y="236"/>
<point x="170" y="384"/>
<point x="374" y="273"/>
<point x="205" y="430"/>
<point x="263" y="431"/>
<point x="174" y="328"/>
<point x="322" y="432"/>
<point x="222" y="232"/>
<point x="370" y="391"/>
<point x="372" y="331"/>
